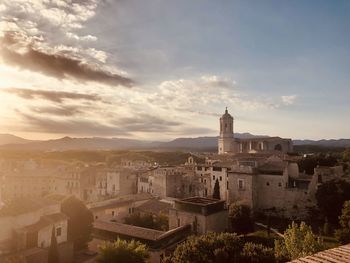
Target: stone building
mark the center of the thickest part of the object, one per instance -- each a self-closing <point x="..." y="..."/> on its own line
<point x="203" y="214"/>
<point x="117" y="209"/>
<point x="162" y="181"/>
<point x="121" y="182"/>
<point x="228" y="144"/>
<point x="27" y="226"/>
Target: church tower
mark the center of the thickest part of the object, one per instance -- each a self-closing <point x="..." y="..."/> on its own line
<point x="226" y="138"/>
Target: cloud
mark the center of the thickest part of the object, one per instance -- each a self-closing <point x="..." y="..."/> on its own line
<point x="204" y="96"/>
<point x="58" y="111"/>
<point x="36" y="122"/>
<point x="80" y="127"/>
<point x="289" y="100"/>
<point x="54" y="96"/>
<point x="56" y="65"/>
<point x="42" y="36"/>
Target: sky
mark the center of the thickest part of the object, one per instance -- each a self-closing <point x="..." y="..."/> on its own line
<point x="163" y="69"/>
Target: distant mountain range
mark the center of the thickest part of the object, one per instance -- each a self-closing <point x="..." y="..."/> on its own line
<point x="11" y="142"/>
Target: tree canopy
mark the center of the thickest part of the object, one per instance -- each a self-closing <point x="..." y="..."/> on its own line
<point x="216" y="193"/>
<point x="211" y="247"/>
<point x="53" y="256"/>
<point x="219" y="248"/>
<point x="343" y="234"/>
<point x="122" y="251"/>
<point x="299" y="241"/>
<point x="240" y="219"/>
<point x="346" y="155"/>
<point x="79" y="222"/>
<point x="330" y="198"/>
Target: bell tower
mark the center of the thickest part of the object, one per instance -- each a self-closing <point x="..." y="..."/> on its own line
<point x="226" y="138"/>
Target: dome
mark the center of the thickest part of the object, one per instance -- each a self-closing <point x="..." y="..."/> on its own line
<point x="226" y="115"/>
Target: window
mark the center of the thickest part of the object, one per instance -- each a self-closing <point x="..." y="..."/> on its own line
<point x="58" y="231"/>
<point x="280" y="184"/>
<point x="220" y="178"/>
<point x="213" y="177"/>
<point x="267" y="183"/>
<point x="240" y="184"/>
<point x="178" y="222"/>
<point x="113" y="213"/>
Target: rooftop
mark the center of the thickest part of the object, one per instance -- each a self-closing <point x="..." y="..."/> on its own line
<point x="24" y="205"/>
<point x="335" y="255"/>
<point x="154" y="206"/>
<point x="44" y="222"/>
<point x="202" y="201"/>
<point x="128" y="230"/>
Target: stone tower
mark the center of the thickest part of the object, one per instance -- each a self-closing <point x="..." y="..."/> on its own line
<point x="226" y="138"/>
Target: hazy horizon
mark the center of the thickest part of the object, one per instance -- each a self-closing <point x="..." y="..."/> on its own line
<point x="160" y="70"/>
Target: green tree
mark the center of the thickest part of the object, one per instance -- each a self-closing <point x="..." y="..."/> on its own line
<point x="122" y="251"/>
<point x="343" y="233"/>
<point x="330" y="198"/>
<point x="79" y="222"/>
<point x="240" y="219"/>
<point x="216" y="193"/>
<point x="53" y="256"/>
<point x="211" y="247"/>
<point x="346" y="155"/>
<point x="298" y="241"/>
<point x="256" y="253"/>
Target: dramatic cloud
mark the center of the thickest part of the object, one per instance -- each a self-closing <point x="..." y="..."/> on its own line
<point x="34" y="123"/>
<point x="288" y="100"/>
<point x="41" y="36"/>
<point x="203" y="95"/>
<point x="55" y="96"/>
<point x="58" y="111"/>
<point x="57" y="65"/>
<point x="107" y="127"/>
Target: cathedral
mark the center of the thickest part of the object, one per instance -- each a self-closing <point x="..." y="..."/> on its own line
<point x="228" y="144"/>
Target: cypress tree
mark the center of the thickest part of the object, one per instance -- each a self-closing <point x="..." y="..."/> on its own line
<point x="216" y="193"/>
<point x="53" y="249"/>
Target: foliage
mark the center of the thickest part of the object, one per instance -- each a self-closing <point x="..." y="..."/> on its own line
<point x="343" y="234"/>
<point x="257" y="253"/>
<point x="330" y="198"/>
<point x="216" y="193"/>
<point x="261" y="237"/>
<point x="240" y="219"/>
<point x="53" y="256"/>
<point x="309" y="163"/>
<point x="299" y="241"/>
<point x="79" y="222"/>
<point x="123" y="251"/>
<point x="346" y="155"/>
<point x="157" y="222"/>
<point x="211" y="247"/>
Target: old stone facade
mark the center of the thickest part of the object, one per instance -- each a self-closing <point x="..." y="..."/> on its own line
<point x="28" y="225"/>
<point x="228" y="144"/>
<point x="203" y="214"/>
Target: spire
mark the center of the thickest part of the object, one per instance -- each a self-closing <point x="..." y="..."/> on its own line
<point x="226" y="111"/>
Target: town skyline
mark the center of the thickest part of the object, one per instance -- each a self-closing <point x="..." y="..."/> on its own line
<point x="168" y="70"/>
